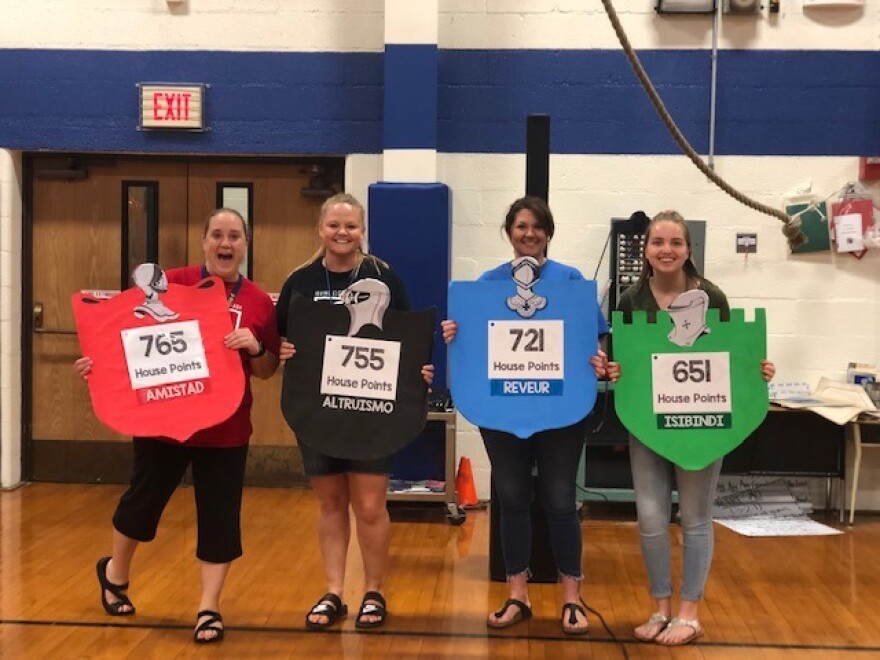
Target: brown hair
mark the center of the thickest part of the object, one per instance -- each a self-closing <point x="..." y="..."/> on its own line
<point x="539" y="209"/>
<point x="213" y="214"/>
<point x="674" y="217"/>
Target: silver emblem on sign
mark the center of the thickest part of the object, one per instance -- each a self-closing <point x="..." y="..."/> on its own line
<point x="526" y="273"/>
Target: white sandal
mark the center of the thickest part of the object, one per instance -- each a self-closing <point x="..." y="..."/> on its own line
<point x="656" y="619"/>
<point x="678" y="622"/>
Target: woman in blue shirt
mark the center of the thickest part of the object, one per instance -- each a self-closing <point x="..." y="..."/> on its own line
<point x="556" y="452"/>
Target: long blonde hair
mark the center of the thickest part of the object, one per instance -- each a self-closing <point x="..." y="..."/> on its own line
<point x="351" y="200"/>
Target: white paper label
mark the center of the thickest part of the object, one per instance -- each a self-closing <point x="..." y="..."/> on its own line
<point x="526" y="350"/>
<point x="691" y="382"/>
<point x="358" y="367"/>
<point x="164" y="354"/>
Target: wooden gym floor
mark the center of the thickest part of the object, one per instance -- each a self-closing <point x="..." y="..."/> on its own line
<point x="810" y="597"/>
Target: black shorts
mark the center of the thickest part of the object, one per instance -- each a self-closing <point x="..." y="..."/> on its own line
<point x="218" y="479"/>
<point x="316" y="464"/>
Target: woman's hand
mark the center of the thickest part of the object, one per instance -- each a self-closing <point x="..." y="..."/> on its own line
<point x="286" y="351"/>
<point x="83" y="367"/>
<point x="768" y="370"/>
<point x="600" y="364"/>
<point x="428" y="373"/>
<point x="613" y="371"/>
<point x="450" y="329"/>
<point x="242" y="339"/>
<point x="604" y="368"/>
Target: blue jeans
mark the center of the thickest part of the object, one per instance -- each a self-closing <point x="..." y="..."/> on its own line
<point x="556" y="453"/>
<point x="653" y="482"/>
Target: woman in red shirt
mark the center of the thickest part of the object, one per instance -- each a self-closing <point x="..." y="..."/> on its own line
<point x="217" y="454"/>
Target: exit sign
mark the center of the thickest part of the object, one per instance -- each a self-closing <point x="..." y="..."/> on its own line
<point x="172" y="107"/>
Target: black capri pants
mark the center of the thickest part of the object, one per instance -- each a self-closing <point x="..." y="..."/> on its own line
<point x="218" y="479"/>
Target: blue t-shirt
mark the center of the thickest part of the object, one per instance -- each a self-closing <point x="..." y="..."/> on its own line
<point x="550" y="270"/>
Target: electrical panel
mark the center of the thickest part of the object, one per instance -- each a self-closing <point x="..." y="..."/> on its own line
<point x="628" y="248"/>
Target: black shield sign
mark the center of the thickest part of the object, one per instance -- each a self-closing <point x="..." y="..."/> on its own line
<point x="340" y="395"/>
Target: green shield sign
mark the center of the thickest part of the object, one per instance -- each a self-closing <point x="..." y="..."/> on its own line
<point x="691" y="396"/>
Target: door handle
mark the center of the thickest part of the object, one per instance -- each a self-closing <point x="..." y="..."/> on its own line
<point x="37" y="323"/>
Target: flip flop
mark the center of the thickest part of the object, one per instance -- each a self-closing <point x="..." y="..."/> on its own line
<point x="524" y="612"/>
<point x="570" y="629"/>
<point x="329" y="605"/>
<point x="656" y="619"/>
<point x="113" y="609"/>
<point x="677" y="622"/>
<point x="208" y="624"/>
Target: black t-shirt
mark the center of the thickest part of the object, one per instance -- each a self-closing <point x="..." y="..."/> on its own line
<point x="319" y="284"/>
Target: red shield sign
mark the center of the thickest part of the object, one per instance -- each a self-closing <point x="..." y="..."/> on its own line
<point x="160" y="366"/>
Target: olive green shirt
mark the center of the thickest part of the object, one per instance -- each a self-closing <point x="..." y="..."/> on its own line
<point x="640" y="298"/>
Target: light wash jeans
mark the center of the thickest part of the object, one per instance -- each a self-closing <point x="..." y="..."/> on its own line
<point x="653" y="481"/>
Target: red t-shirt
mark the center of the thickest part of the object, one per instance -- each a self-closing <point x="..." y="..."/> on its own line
<point x="252" y="308"/>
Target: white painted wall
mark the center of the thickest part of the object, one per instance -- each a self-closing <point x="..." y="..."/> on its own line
<point x="10" y="318"/>
<point x="358" y="25"/>
<point x="572" y="24"/>
<point x="823" y="309"/>
<point x="226" y="25"/>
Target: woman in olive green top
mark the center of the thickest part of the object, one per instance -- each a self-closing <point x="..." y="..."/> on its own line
<point x="667" y="272"/>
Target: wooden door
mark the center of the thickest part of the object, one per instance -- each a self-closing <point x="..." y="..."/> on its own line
<point x="78" y="244"/>
<point x="284" y="234"/>
<point x="85" y="229"/>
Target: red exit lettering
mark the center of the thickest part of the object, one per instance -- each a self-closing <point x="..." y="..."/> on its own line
<point x="171" y="106"/>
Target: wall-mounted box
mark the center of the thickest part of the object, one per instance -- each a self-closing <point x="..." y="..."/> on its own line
<point x="869" y="168"/>
<point x="684" y="6"/>
<point x="831" y="4"/>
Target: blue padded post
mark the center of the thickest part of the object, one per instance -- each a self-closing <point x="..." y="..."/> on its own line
<point x="409" y="227"/>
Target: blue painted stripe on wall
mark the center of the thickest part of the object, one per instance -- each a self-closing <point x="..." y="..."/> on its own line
<point x="411" y="96"/>
<point x="769" y="102"/>
<point x="258" y="103"/>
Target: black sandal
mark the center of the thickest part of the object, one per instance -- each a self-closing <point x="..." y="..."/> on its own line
<point x="208" y="624"/>
<point x="571" y="619"/>
<point x="113" y="609"/>
<point x="524" y="612"/>
<point x="329" y="605"/>
<point x="377" y="608"/>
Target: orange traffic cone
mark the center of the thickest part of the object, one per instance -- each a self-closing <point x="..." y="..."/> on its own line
<point x="464" y="484"/>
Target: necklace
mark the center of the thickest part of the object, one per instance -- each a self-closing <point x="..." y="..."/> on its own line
<point x="331" y="295"/>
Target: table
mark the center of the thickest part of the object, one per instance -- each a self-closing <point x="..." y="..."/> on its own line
<point x="454" y="514"/>
<point x="855" y="429"/>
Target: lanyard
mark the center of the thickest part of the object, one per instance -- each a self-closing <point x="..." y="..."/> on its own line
<point x="335" y="299"/>
<point x="235" y="289"/>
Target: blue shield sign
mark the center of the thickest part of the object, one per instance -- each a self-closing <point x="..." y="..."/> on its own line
<point x="521" y="364"/>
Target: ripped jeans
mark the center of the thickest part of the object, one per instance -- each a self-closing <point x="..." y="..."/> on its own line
<point x="556" y="453"/>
